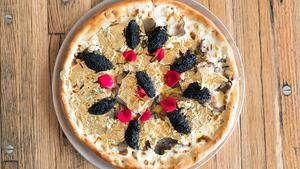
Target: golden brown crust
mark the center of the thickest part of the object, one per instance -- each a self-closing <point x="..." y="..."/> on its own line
<point x="90" y="27"/>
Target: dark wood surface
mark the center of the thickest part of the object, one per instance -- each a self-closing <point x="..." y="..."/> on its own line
<point x="267" y="33"/>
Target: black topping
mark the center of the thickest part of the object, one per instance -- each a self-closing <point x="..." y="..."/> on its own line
<point x="95" y="61"/>
<point x="157" y="38"/>
<point x="194" y="91"/>
<point x="184" y="63"/>
<point x="145" y="82"/>
<point x="132" y="34"/>
<point x="102" y="107"/>
<point x="179" y="121"/>
<point x="164" y="144"/>
<point x="147" y="145"/>
<point x="132" y="134"/>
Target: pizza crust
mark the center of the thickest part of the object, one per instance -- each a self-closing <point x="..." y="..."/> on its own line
<point x="88" y="29"/>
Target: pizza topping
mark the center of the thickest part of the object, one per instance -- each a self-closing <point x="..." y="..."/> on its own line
<point x="195" y="91"/>
<point x="184" y="63"/>
<point x="129" y="56"/>
<point x="145" y="116"/>
<point x="95" y="61"/>
<point x="102" y="107"/>
<point x="141" y="92"/>
<point x="132" y="134"/>
<point x="164" y="144"/>
<point x="132" y="34"/>
<point x="160" y="54"/>
<point x="172" y="78"/>
<point x="179" y="121"/>
<point x="106" y="81"/>
<point x="224" y="87"/>
<point x="168" y="104"/>
<point x="144" y="81"/>
<point x="157" y="38"/>
<point x="149" y="24"/>
<point x="125" y="115"/>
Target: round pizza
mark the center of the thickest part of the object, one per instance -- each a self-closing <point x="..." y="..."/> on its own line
<point x="149" y="84"/>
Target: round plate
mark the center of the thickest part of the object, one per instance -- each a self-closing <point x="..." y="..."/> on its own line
<point x="84" y="150"/>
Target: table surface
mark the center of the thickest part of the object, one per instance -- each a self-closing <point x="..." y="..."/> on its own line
<point x="267" y="33"/>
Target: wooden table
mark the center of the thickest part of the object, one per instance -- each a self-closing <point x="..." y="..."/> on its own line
<point x="266" y="31"/>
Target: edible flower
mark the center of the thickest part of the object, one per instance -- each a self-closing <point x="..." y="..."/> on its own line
<point x="124" y="115"/>
<point x="172" y="78"/>
<point x="106" y="81"/>
<point x="168" y="104"/>
<point x="129" y="56"/>
<point x="145" y="116"/>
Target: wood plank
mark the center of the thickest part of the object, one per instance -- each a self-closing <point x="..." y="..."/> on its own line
<point x="26" y="43"/>
<point x="286" y="27"/>
<point x="252" y="119"/>
<point x="269" y="70"/>
<point x="32" y="84"/>
<point x="64" y="13"/>
<point x="10" y="121"/>
<point x="60" y="145"/>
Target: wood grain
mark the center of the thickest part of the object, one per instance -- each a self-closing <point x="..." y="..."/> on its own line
<point x="62" y="14"/>
<point x="266" y="31"/>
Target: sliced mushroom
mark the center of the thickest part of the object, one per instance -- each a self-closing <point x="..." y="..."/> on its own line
<point x="149" y="24"/>
<point x="224" y="87"/>
<point x="147" y="145"/>
<point x="164" y="144"/>
<point x="122" y="148"/>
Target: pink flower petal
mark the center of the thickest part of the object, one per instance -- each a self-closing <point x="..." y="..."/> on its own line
<point x="141" y="92"/>
<point x="160" y="54"/>
<point x="172" y="78"/>
<point x="145" y="116"/>
<point x="168" y="104"/>
<point x="129" y="56"/>
<point x="124" y="115"/>
<point x="106" y="81"/>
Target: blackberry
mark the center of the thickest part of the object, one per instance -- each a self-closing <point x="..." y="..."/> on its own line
<point x="145" y="82"/>
<point x="102" y="107"/>
<point x="132" y="134"/>
<point x="132" y="34"/>
<point x="194" y="91"/>
<point x="179" y="121"/>
<point x="157" y="38"/>
<point x="184" y="63"/>
<point x="95" y="61"/>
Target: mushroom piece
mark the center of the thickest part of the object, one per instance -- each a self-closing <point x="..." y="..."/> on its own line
<point x="149" y="24"/>
<point x="122" y="148"/>
<point x="164" y="144"/>
<point x="224" y="87"/>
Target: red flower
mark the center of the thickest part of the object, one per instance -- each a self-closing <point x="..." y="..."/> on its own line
<point x="124" y="115"/>
<point x="141" y="92"/>
<point x="160" y="54"/>
<point x="168" y="104"/>
<point x="129" y="56"/>
<point x="172" y="78"/>
<point x="106" y="81"/>
<point x="145" y="116"/>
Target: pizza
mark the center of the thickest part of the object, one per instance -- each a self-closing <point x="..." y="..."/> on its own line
<point x="149" y="84"/>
